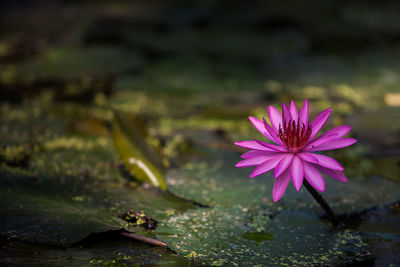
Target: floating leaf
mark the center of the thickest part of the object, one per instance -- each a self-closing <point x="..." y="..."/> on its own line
<point x="105" y="249"/>
<point x="293" y="239"/>
<point x="137" y="156"/>
<point x="244" y="226"/>
<point x="72" y="189"/>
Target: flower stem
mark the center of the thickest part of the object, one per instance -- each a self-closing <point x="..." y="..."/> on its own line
<point x="322" y="203"/>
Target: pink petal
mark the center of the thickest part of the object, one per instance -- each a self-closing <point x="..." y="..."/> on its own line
<point x="280" y="186"/>
<point x="260" y="127"/>
<point x="296" y="171"/>
<point x="334" y="133"/>
<point x="254" y="145"/>
<point x="328" y="162"/>
<point x="321" y="140"/>
<point x="275" y="117"/>
<point x="254" y="153"/>
<point x="254" y="161"/>
<point x="334" y="144"/>
<point x="272" y="132"/>
<point x="271" y="146"/>
<point x="304" y="113"/>
<point x="319" y="122"/>
<point x="286" y="116"/>
<point x="293" y="111"/>
<point x="283" y="165"/>
<point x="313" y="176"/>
<point x="338" y="175"/>
<point x="340" y="131"/>
<point x="308" y="157"/>
<point x="321" y="160"/>
<point x="267" y="166"/>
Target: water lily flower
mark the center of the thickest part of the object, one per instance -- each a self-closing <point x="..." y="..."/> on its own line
<point x="292" y="156"/>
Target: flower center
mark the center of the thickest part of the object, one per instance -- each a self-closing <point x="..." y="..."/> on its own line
<point x="294" y="135"/>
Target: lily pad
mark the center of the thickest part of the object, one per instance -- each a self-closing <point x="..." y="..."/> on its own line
<point x="222" y="184"/>
<point x="244" y="226"/>
<point x="107" y="249"/>
<point x="61" y="209"/>
<point x="294" y="238"/>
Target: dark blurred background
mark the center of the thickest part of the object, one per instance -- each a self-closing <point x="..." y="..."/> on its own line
<point x="208" y="59"/>
<point x="191" y="45"/>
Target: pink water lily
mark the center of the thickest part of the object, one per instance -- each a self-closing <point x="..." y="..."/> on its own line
<point x="292" y="156"/>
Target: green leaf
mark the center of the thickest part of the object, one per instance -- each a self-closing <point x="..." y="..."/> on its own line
<point x="72" y="189"/>
<point x="245" y="227"/>
<point x="136" y="155"/>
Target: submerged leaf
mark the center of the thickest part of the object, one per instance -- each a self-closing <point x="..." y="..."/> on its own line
<point x="137" y="156"/>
